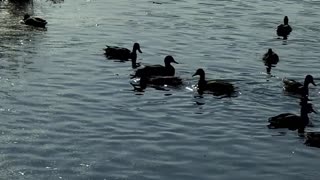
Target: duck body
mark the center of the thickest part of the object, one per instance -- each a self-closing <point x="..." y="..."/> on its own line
<point x="313" y="139"/>
<point x="295" y="87"/>
<point x="215" y="87"/>
<point x="284" y="29"/>
<point x="287" y="120"/>
<point x="157" y="70"/>
<point x="292" y="121"/>
<point x="270" y="58"/>
<point x="34" y="21"/>
<point x="157" y="82"/>
<point x="162" y="80"/>
<point x="115" y="52"/>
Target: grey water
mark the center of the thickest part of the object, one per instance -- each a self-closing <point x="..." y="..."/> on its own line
<point x="69" y="113"/>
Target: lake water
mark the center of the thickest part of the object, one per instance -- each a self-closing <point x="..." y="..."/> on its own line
<point x="69" y="113"/>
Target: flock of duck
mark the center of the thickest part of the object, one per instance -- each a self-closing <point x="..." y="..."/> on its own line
<point x="159" y="75"/>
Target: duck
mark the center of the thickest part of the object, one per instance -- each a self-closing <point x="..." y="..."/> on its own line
<point x="115" y="52"/>
<point x="157" y="70"/>
<point x="284" y="29"/>
<point x="216" y="87"/>
<point x="34" y="21"/>
<point x="292" y="121"/>
<point x="313" y="139"/>
<point x="295" y="87"/>
<point x="270" y="58"/>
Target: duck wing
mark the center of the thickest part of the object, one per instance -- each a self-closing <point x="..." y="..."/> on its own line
<point x="291" y="85"/>
<point x="313" y="139"/>
<point x="34" y="22"/>
<point x="165" y="80"/>
<point x="285" y="120"/>
<point x="219" y="87"/>
<point x="115" y="52"/>
<point x="40" y="20"/>
<point x="270" y="59"/>
<point x="283" y="30"/>
<point x="152" y="70"/>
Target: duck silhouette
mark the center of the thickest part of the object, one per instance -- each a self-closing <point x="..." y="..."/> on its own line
<point x="270" y="59"/>
<point x="34" y="21"/>
<point x="215" y="87"/>
<point x="292" y="121"/>
<point x="124" y="54"/>
<point x="295" y="87"/>
<point x="284" y="29"/>
<point x="157" y="70"/>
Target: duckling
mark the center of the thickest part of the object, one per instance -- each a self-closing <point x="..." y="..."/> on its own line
<point x="216" y="87"/>
<point x="114" y="52"/>
<point x="34" y="21"/>
<point x="157" y="70"/>
<point x="284" y="29"/>
<point x="270" y="58"/>
<point x="297" y="87"/>
<point x="313" y="139"/>
<point x="292" y="121"/>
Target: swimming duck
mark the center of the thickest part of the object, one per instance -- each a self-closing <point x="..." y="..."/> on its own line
<point x="114" y="52"/>
<point x="270" y="58"/>
<point x="313" y="139"/>
<point x="284" y="29"/>
<point x="297" y="87"/>
<point x="292" y="121"/>
<point x="216" y="87"/>
<point x="157" y="70"/>
<point x="34" y="21"/>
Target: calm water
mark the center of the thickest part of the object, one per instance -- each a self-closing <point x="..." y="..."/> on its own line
<point x="68" y="113"/>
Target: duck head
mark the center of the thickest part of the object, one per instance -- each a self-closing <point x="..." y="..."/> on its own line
<point x="136" y="46"/>
<point x="26" y="16"/>
<point x="168" y="60"/>
<point x="199" y="72"/>
<point x="286" y="20"/>
<point x="308" y="80"/>
<point x="270" y="51"/>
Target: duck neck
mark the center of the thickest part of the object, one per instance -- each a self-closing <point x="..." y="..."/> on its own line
<point x="134" y="60"/>
<point x="304" y="115"/>
<point x="202" y="78"/>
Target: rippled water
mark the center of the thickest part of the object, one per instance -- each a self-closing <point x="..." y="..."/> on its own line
<point x="69" y="113"/>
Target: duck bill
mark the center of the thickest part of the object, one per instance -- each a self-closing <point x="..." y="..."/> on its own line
<point x="313" y="83"/>
<point x="194" y="74"/>
<point x="175" y="62"/>
<point x="139" y="50"/>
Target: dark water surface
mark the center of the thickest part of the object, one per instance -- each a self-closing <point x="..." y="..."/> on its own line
<point x="68" y="113"/>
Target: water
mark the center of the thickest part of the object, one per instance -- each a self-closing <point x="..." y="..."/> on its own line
<point x="68" y="113"/>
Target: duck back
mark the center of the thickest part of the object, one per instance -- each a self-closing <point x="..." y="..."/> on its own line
<point x="219" y="87"/>
<point x="286" y="120"/>
<point x="154" y="70"/>
<point x="284" y="30"/>
<point x="115" y="52"/>
<point x="313" y="139"/>
<point x="37" y="22"/>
